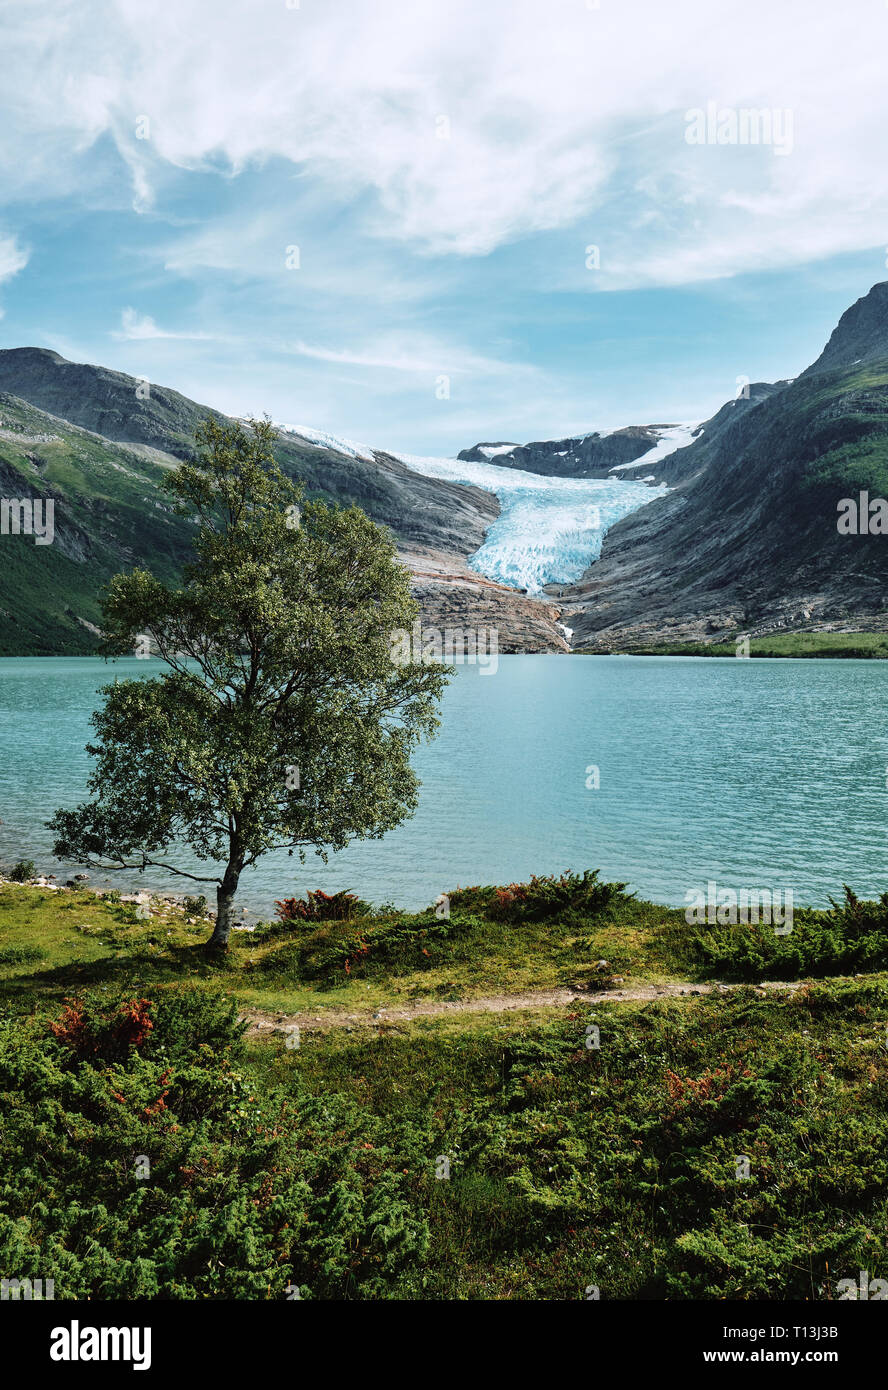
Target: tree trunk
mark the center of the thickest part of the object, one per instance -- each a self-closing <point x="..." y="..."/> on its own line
<point x="225" y="907"/>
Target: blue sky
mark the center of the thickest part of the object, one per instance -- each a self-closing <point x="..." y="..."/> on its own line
<point x="442" y="171"/>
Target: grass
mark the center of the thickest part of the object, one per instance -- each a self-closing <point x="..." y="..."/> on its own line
<point x="618" y="1167"/>
<point x="872" y="645"/>
<point x="570" y="1165"/>
<point x="86" y="940"/>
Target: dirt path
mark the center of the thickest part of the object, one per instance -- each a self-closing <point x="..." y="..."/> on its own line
<point x="262" y="1021"/>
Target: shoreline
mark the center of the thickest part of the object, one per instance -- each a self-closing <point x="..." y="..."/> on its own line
<point x="249" y="919"/>
<point x="807" y="644"/>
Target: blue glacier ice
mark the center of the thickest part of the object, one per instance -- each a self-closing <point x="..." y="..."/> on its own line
<point x="549" y="530"/>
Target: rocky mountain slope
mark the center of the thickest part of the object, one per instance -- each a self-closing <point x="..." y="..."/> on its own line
<point x="99" y="444"/>
<point x="748" y="539"/>
<point x="583" y="456"/>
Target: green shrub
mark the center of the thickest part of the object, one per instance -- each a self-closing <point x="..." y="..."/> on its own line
<point x="323" y="907"/>
<point x="850" y="937"/>
<point x="337" y="950"/>
<point x="186" y="1019"/>
<point x="543" y="898"/>
<point x="244" y="1194"/>
<point x="22" y="871"/>
<point x="569" y="1166"/>
<point x="20" y="955"/>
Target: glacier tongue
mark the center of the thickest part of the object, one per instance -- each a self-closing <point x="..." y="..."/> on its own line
<point x="549" y="529"/>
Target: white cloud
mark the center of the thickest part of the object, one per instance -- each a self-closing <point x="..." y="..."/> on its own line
<point x="135" y="327"/>
<point x="408" y="355"/>
<point x="12" y="258"/>
<point x="556" y="116"/>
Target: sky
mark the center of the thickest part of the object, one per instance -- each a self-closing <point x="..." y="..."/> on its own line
<point x="422" y="224"/>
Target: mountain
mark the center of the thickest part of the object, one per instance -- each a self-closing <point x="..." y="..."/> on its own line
<point x="593" y="455"/>
<point x="860" y="336"/>
<point x="748" y="538"/>
<point x="99" y="443"/>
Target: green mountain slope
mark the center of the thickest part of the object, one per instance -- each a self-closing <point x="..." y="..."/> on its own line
<point x="110" y="514"/>
<point x="96" y="444"/>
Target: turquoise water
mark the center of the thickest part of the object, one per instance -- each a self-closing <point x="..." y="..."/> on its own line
<point x="761" y="773"/>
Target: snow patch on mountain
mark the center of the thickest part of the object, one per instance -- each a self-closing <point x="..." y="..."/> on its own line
<point x="327" y="441"/>
<point x="672" y="438"/>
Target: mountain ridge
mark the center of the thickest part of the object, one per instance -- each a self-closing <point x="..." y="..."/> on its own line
<point x="592" y="455"/>
<point x="746" y="540"/>
<point x="111" y="514"/>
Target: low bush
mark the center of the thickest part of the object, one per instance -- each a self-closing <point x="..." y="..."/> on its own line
<point x="323" y="907"/>
<point x="852" y="936"/>
<point x="134" y="1166"/>
<point x="544" y="897"/>
<point x="22" y="871"/>
<point x="20" y="955"/>
<point x="337" y="950"/>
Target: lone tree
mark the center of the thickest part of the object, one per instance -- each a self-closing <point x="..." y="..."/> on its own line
<point x="280" y="719"/>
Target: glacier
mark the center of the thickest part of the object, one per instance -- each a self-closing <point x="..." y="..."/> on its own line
<point x="549" y="530"/>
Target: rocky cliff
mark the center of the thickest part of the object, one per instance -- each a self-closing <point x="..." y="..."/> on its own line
<point x="748" y="539"/>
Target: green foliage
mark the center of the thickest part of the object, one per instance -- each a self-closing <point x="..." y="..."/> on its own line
<point x="323" y="907"/>
<point x="340" y="949"/>
<point x="22" y="871"/>
<point x="543" y="898"/>
<point x="246" y="1194"/>
<point x="570" y="1164"/>
<point x="172" y="1026"/>
<point x="20" y="955"/>
<point x="185" y="1018"/>
<point x="617" y="1165"/>
<point x="277" y="654"/>
<point x="89" y="938"/>
<point x="351" y="941"/>
<point x="851" y="936"/>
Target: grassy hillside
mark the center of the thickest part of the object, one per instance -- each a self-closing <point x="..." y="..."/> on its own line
<point x="275" y="1167"/>
<point x="110" y="514"/>
<point x="872" y="645"/>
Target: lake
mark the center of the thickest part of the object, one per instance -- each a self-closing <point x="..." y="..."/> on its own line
<point x="753" y="773"/>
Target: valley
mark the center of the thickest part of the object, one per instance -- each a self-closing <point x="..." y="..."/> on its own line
<point x="611" y="541"/>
